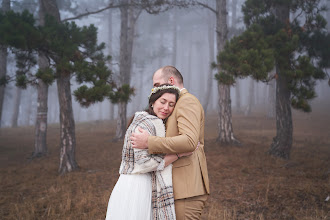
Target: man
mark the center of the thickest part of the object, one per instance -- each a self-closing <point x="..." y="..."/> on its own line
<point x="184" y="132"/>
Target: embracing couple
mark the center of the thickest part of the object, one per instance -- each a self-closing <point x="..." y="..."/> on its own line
<point x="163" y="173"/>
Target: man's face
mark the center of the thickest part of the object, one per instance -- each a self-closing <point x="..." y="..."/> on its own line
<point x="157" y="79"/>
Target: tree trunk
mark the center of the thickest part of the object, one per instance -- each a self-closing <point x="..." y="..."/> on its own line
<point x="125" y="63"/>
<point x="233" y="16"/>
<point x="67" y="126"/>
<point x="175" y="36"/>
<point x="251" y="98"/>
<point x="17" y="103"/>
<point x="271" y="99"/>
<point x="237" y="84"/>
<point x="111" y="105"/>
<point x="3" y="60"/>
<point x="40" y="141"/>
<point x="238" y="96"/>
<point x="121" y="121"/>
<point x="226" y="133"/>
<point x="28" y="105"/>
<point x="210" y="78"/>
<point x="282" y="142"/>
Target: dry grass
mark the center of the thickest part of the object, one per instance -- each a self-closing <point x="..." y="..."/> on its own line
<point x="246" y="183"/>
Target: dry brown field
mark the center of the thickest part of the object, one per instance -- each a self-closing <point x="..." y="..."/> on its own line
<point x="246" y="183"/>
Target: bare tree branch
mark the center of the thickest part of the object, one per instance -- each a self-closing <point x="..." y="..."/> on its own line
<point x="149" y="6"/>
<point x="206" y="6"/>
<point x="95" y="12"/>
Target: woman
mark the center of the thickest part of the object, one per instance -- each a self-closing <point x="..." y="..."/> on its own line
<point x="144" y="189"/>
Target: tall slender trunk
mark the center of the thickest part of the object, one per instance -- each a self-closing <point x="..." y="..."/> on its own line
<point x="237" y="84"/>
<point x="190" y="57"/>
<point x="111" y="105"/>
<point x="40" y="141"/>
<point x="238" y="95"/>
<point x="210" y="78"/>
<point x="17" y="104"/>
<point x="28" y="106"/>
<point x="122" y="121"/>
<point x="3" y="60"/>
<point x="175" y="36"/>
<point x="226" y="133"/>
<point x="271" y="99"/>
<point x="251" y="98"/>
<point x="125" y="63"/>
<point x="282" y="142"/>
<point x="3" y="72"/>
<point x="67" y="126"/>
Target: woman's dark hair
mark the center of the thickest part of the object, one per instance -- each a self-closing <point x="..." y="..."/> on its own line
<point x="153" y="97"/>
<point x="158" y="94"/>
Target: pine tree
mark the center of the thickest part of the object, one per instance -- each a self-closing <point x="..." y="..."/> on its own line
<point x="70" y="51"/>
<point x="298" y="49"/>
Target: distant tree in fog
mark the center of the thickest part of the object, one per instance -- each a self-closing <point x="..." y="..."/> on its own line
<point x="3" y="62"/>
<point x="210" y="77"/>
<point x="298" y="47"/>
<point x="226" y="132"/>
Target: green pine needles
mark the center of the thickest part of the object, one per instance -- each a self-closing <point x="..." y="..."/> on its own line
<point x="69" y="49"/>
<point x="298" y="47"/>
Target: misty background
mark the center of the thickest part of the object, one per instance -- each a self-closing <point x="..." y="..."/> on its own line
<point x="184" y="38"/>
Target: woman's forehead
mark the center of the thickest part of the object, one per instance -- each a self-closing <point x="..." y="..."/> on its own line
<point x="169" y="97"/>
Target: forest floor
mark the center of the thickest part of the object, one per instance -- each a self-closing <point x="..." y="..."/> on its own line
<point x="246" y="182"/>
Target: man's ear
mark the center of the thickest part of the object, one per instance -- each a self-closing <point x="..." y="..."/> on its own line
<point x="171" y="80"/>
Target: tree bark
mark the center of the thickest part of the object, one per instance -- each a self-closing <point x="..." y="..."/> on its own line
<point x="175" y="36"/>
<point x="67" y="126"/>
<point x="226" y="133"/>
<point x="237" y="84"/>
<point x="271" y="99"/>
<point x="282" y="142"/>
<point x="251" y="98"/>
<point x="17" y="104"/>
<point x="111" y="105"/>
<point x="3" y="60"/>
<point x="125" y="63"/>
<point x="40" y="141"/>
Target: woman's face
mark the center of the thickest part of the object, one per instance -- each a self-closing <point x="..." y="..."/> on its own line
<point x="164" y="105"/>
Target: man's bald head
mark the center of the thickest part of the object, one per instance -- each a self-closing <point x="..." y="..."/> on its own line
<point x="168" y="74"/>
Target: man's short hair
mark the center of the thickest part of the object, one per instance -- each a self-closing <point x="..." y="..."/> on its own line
<point x="168" y="71"/>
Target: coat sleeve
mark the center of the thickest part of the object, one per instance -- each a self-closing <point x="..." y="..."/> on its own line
<point x="188" y="115"/>
<point x="143" y="161"/>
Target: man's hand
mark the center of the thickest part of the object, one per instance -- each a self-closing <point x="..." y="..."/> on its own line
<point x="140" y="139"/>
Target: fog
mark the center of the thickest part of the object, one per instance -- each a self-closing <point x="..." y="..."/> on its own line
<point x="153" y="48"/>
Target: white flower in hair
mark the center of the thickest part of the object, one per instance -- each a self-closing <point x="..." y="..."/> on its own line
<point x="159" y="88"/>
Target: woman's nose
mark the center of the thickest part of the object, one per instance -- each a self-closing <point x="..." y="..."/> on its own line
<point x="166" y="106"/>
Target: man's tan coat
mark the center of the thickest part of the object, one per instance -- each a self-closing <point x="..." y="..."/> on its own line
<point x="184" y="129"/>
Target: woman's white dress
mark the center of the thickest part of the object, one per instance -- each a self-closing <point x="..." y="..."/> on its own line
<point x="131" y="198"/>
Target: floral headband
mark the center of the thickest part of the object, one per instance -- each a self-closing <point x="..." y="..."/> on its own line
<point x="156" y="89"/>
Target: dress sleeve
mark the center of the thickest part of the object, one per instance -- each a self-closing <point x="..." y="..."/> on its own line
<point x="143" y="161"/>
